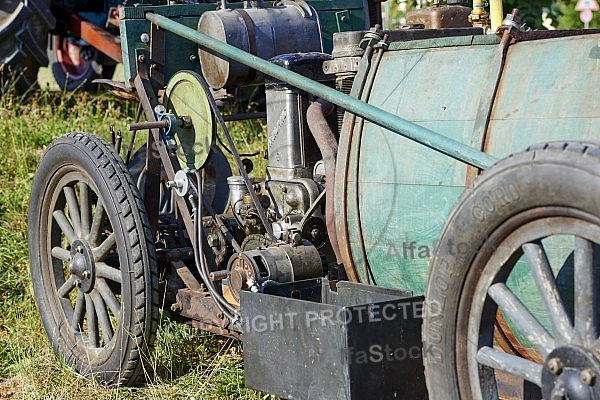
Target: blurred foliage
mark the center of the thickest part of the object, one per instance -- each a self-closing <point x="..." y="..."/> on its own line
<point x="570" y="18"/>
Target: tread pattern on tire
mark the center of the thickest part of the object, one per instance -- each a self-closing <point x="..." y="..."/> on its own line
<point x="140" y="245"/>
<point x="571" y="156"/>
<point x="146" y="307"/>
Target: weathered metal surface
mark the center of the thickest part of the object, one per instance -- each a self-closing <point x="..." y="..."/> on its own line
<point x="402" y="192"/>
<point x="264" y="32"/>
<point x="440" y="16"/>
<point x="553" y="95"/>
<point x="357" y="343"/>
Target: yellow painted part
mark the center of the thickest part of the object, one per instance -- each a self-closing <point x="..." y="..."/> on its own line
<point x="478" y="7"/>
<point x="496" y="14"/>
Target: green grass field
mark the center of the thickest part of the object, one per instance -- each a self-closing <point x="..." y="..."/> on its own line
<point x="186" y="363"/>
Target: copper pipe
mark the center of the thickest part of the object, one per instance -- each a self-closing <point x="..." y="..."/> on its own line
<point x="321" y="131"/>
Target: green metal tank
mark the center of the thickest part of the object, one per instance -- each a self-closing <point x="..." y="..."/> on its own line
<point x="393" y="195"/>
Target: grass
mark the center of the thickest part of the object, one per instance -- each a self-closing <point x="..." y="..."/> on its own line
<point x="187" y="363"/>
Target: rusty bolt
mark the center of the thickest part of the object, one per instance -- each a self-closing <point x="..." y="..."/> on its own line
<point x="588" y="377"/>
<point x="555" y="366"/>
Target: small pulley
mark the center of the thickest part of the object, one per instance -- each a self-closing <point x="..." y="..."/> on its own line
<point x="186" y="102"/>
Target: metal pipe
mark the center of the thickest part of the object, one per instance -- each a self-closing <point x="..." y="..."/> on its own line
<point x="424" y="136"/>
<point x="496" y="14"/>
<point x="138" y="126"/>
<point x="317" y="123"/>
<point x="478" y="7"/>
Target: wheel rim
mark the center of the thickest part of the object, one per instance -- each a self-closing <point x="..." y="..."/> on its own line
<point x="72" y="58"/>
<point x="572" y="328"/>
<point x="82" y="254"/>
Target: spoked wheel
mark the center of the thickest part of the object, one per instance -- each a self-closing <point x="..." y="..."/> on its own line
<point x="75" y="64"/>
<point x="92" y="260"/>
<point x="525" y="251"/>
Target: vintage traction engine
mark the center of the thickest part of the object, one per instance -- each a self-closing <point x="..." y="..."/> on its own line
<point x="327" y="257"/>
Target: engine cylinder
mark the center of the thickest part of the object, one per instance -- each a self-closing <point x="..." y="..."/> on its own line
<point x="264" y="32"/>
<point x="283" y="263"/>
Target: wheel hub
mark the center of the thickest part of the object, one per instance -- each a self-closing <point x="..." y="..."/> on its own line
<point x="81" y="266"/>
<point x="571" y="373"/>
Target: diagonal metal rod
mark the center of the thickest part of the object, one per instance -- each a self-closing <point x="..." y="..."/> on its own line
<point x="424" y="136"/>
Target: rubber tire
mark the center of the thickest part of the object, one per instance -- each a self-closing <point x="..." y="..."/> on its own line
<point x="99" y="67"/>
<point x="24" y="27"/>
<point x="122" y="360"/>
<point x="569" y="171"/>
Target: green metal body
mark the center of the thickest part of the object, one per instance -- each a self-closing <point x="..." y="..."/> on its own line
<point x="398" y="194"/>
<point x="334" y="16"/>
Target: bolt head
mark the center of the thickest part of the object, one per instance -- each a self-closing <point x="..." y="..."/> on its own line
<point x="79" y="249"/>
<point x="296" y="237"/>
<point x="555" y="366"/>
<point x="77" y="282"/>
<point x="86" y="274"/>
<point x="588" y="377"/>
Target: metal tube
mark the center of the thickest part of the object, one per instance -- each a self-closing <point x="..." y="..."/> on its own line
<point x="496" y="14"/>
<point x="138" y="126"/>
<point x="317" y="123"/>
<point x="424" y="136"/>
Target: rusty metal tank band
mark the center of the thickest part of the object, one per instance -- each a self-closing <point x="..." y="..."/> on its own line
<point x="353" y="173"/>
<point x="341" y="188"/>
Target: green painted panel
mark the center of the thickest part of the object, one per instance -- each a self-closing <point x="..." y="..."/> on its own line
<point x="340" y="20"/>
<point x="179" y="53"/>
<point x="404" y="222"/>
<point x="334" y="16"/>
<point x="437" y="84"/>
<point x="405" y="190"/>
<point x="400" y="155"/>
<point x="548" y="91"/>
<point x="509" y="136"/>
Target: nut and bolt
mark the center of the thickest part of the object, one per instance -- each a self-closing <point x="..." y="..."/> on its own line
<point x="588" y="377"/>
<point x="77" y="282"/>
<point x="86" y="274"/>
<point x="141" y="58"/>
<point x="79" y="249"/>
<point x="555" y="366"/>
<point x="296" y="237"/>
<point x="145" y="38"/>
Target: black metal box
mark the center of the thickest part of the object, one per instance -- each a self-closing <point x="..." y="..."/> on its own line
<point x="303" y="340"/>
